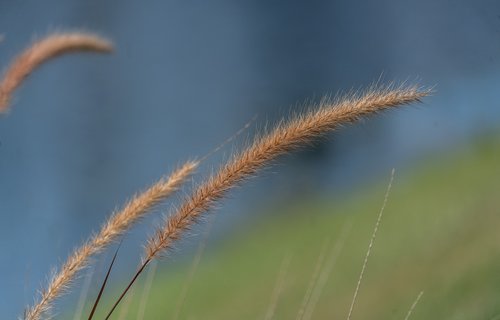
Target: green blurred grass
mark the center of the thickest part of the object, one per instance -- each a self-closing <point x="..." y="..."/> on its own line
<point x="440" y="234"/>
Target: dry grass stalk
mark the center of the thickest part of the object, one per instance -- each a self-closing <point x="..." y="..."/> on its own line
<point x="327" y="270"/>
<point x="43" y="50"/>
<point x="414" y="305"/>
<point x="278" y="287"/>
<point x="312" y="282"/>
<point x="370" y="245"/>
<point x="192" y="270"/>
<point x="83" y="294"/>
<point x="126" y="306"/>
<point x="116" y="225"/>
<point x="145" y="292"/>
<point x="299" y="131"/>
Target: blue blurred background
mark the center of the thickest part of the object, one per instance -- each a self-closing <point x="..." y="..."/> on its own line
<point x="87" y="131"/>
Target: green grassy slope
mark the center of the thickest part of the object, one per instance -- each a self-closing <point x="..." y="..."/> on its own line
<point x="440" y="234"/>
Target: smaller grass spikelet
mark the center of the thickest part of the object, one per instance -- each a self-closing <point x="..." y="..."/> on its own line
<point x="43" y="50"/>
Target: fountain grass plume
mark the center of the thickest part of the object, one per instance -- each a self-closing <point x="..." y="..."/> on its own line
<point x="43" y="50"/>
<point x="287" y="136"/>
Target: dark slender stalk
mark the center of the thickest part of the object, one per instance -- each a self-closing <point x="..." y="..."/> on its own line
<point x="94" y="307"/>
<point x="138" y="273"/>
